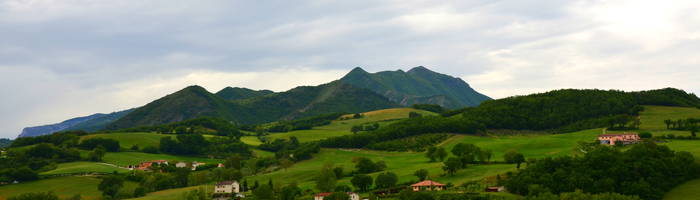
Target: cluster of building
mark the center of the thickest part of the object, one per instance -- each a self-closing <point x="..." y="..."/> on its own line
<point x="146" y="166"/>
<point x="623" y="138"/>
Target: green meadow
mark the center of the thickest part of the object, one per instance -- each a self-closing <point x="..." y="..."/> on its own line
<point x="80" y="167"/>
<point x="342" y="127"/>
<point x="127" y="140"/>
<point x="64" y="187"/>
<point x="129" y="158"/>
<point x="687" y="191"/>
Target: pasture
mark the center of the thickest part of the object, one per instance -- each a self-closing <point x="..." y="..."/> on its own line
<point x="80" y="167"/>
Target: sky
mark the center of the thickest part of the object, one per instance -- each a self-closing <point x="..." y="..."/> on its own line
<point x="67" y="58"/>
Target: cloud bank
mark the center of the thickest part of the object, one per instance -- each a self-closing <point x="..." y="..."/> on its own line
<point x="62" y="59"/>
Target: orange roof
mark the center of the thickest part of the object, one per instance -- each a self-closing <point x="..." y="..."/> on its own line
<point x="428" y="183"/>
<point x="623" y="134"/>
<point x="323" y="194"/>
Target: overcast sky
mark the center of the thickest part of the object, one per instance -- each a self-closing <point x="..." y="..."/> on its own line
<point x="67" y="58"/>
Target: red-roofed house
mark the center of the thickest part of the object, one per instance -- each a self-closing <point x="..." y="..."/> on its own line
<point x="320" y="196"/>
<point x="428" y="185"/>
<point x="624" y="138"/>
<point x="145" y="165"/>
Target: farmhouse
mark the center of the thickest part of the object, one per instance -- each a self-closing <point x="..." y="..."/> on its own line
<point x="428" y="185"/>
<point x="624" y="138"/>
<point x="180" y="164"/>
<point x="145" y="165"/>
<point x="227" y="187"/>
<point x="320" y="196"/>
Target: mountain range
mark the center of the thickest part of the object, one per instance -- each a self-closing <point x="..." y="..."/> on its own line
<point x="358" y="91"/>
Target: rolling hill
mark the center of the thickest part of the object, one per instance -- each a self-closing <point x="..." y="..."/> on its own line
<point x="195" y="101"/>
<point x="417" y="86"/>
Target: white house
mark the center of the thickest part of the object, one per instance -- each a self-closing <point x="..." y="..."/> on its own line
<point x="227" y="187"/>
<point x="320" y="196"/>
<point x="180" y="164"/>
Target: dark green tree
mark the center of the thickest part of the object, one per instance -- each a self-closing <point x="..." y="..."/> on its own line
<point x="264" y="192"/>
<point x="386" y="180"/>
<point x="337" y="196"/>
<point x="422" y="174"/>
<point x="452" y="165"/>
<point x="326" y="179"/>
<point x="361" y="182"/>
<point x="110" y="185"/>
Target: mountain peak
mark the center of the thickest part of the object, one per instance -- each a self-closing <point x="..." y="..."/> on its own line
<point x="420" y="69"/>
<point x="357" y="70"/>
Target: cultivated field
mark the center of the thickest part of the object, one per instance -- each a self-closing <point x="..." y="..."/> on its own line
<point x="81" y="167"/>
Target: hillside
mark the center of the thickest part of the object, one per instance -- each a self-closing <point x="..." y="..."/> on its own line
<point x="236" y="93"/>
<point x="417" y="86"/>
<point x="92" y="122"/>
<point x="194" y="101"/>
<point x="188" y="103"/>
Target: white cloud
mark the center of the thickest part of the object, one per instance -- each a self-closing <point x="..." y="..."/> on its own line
<point x="77" y="57"/>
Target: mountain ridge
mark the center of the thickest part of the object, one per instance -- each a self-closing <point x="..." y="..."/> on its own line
<point x="418" y="85"/>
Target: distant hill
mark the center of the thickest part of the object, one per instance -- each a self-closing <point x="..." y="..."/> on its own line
<point x="88" y="123"/>
<point x="417" y="86"/>
<point x="195" y="101"/>
<point x="236" y="93"/>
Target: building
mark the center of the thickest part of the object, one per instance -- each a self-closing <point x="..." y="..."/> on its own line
<point x="495" y="189"/>
<point x="227" y="187"/>
<point x="146" y="165"/>
<point x="624" y="138"/>
<point x="320" y="196"/>
<point x="180" y="164"/>
<point x="428" y="185"/>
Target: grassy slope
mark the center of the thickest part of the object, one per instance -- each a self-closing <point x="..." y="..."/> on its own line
<point x="687" y="191"/>
<point x="126" y="140"/>
<point x="177" y="193"/>
<point x="77" y="167"/>
<point x="342" y="127"/>
<point x="64" y="187"/>
<point x="126" y="158"/>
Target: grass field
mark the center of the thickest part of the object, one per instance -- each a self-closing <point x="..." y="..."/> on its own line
<point x="653" y="116"/>
<point x="126" y="140"/>
<point x="64" y="187"/>
<point x="342" y="127"/>
<point x="687" y="191"/>
<point x="126" y="158"/>
<point x="78" y="167"/>
<point x="172" y="194"/>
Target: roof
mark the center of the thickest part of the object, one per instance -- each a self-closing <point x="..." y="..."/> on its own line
<point x="226" y="183"/>
<point x="428" y="183"/>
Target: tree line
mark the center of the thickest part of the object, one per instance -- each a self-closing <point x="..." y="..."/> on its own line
<point x="647" y="170"/>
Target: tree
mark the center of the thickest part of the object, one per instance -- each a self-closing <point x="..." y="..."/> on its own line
<point x="668" y="123"/>
<point x="361" y="182"/>
<point x="264" y="192"/>
<point x="326" y="179"/>
<point x="35" y="196"/>
<point x="430" y="153"/>
<point x="441" y="153"/>
<point x="234" y="161"/>
<point x="355" y="129"/>
<point x="514" y="157"/>
<point x="386" y="180"/>
<point x="414" y="115"/>
<point x="365" y="166"/>
<point x="422" y="174"/>
<point x="452" y="165"/>
<point x="645" y="135"/>
<point x="487" y="154"/>
<point x="338" y="172"/>
<point x="694" y="130"/>
<point x="337" y="196"/>
<point x="110" y="185"/>
<point x="289" y="192"/>
<point x="97" y="154"/>
<point x="285" y="163"/>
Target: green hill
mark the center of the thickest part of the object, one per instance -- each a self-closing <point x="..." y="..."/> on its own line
<point x="417" y="86"/>
<point x="236" y="93"/>
<point x="188" y="103"/>
<point x="194" y="101"/>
